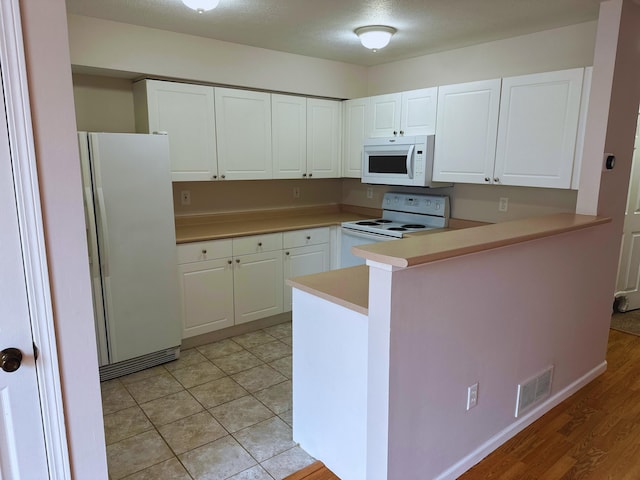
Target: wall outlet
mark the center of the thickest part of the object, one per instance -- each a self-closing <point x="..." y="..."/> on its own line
<point x="369" y="192"/>
<point x="296" y="192"/>
<point x="185" y="197"/>
<point x="472" y="396"/>
<point x="503" y="205"/>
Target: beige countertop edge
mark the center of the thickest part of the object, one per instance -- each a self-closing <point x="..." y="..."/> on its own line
<point x="215" y="231"/>
<point x="347" y="287"/>
<point x="452" y="243"/>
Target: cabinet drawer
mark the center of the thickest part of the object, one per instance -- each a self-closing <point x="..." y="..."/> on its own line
<point x="200" y="251"/>
<point x="310" y="236"/>
<point x="257" y="244"/>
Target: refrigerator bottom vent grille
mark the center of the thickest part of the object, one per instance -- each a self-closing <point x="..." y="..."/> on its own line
<point x="108" y="372"/>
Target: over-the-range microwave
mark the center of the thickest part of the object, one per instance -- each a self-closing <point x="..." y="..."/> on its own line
<point x="399" y="161"/>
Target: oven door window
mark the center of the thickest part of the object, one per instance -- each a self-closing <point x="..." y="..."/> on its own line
<point x="388" y="163"/>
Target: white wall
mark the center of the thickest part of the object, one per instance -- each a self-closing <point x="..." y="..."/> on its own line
<point x="56" y="145"/>
<point x="199" y="59"/>
<point x="103" y="104"/>
<point x="556" y="49"/>
<point x="101" y="44"/>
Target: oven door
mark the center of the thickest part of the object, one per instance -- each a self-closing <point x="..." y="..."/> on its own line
<point x="351" y="238"/>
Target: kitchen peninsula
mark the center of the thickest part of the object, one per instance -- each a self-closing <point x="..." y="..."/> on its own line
<point x="384" y="353"/>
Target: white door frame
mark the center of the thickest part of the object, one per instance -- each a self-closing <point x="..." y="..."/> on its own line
<point x="15" y="88"/>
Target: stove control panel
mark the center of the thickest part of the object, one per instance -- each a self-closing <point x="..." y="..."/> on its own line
<point x="437" y="205"/>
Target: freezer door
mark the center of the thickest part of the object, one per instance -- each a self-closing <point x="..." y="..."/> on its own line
<point x="92" y="248"/>
<point x="136" y="241"/>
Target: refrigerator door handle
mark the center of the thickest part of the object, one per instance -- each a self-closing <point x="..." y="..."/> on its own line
<point x="102" y="222"/>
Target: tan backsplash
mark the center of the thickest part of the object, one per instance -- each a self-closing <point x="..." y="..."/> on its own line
<point x="474" y="202"/>
<point x="233" y="196"/>
<point x="470" y="202"/>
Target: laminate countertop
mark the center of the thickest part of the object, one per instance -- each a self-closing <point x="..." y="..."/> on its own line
<point x="350" y="287"/>
<point x="196" y="228"/>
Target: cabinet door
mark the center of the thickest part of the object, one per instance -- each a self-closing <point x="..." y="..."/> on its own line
<point x="323" y="138"/>
<point x="206" y="295"/>
<point x="304" y="261"/>
<point x="257" y="282"/>
<point x="385" y="115"/>
<point x="243" y="133"/>
<point x="356" y="129"/>
<point x="186" y="113"/>
<point x="419" y="112"/>
<point x="582" y="125"/>
<point x="537" y="132"/>
<point x="289" y="136"/>
<point x="466" y="128"/>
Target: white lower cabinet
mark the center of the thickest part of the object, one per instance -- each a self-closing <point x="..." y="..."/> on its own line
<point x="205" y="277"/>
<point x="257" y="286"/>
<point x="206" y="291"/>
<point x="305" y="252"/>
<point x="228" y="282"/>
<point x="233" y="281"/>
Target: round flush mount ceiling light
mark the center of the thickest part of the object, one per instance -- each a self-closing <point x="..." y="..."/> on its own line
<point x="375" y="37"/>
<point x="201" y="6"/>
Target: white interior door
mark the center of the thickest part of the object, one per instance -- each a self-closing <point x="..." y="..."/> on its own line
<point x="22" y="449"/>
<point x="629" y="268"/>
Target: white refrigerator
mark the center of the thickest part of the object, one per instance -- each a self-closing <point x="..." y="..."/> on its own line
<point x="132" y="249"/>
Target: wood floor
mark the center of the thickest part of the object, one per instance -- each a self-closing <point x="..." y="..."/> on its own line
<point x="593" y="435"/>
<point x="315" y="471"/>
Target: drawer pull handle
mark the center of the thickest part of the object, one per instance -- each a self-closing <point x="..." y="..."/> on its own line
<point x="286" y="253"/>
<point x="259" y="244"/>
<point x="308" y="237"/>
<point x="204" y="251"/>
<point x="229" y="262"/>
<point x="237" y="260"/>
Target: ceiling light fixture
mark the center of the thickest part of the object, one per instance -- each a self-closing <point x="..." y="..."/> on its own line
<point x="375" y="37"/>
<point x="201" y="6"/>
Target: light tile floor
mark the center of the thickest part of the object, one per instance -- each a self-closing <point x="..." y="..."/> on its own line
<point x="222" y="411"/>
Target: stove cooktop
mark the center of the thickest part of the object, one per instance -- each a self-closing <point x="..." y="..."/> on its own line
<point x="406" y="213"/>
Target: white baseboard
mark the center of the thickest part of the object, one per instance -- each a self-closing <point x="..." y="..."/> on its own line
<point x="516" y="427"/>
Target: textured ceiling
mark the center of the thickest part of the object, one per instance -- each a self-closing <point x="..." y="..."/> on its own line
<point x="324" y="28"/>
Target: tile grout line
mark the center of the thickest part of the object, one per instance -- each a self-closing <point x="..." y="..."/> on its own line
<point x="183" y="388"/>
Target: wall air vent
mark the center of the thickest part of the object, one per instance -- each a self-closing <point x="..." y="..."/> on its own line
<point x="533" y="390"/>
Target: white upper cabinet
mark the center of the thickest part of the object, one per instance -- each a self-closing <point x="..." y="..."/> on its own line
<point x="407" y="113"/>
<point x="324" y="123"/>
<point x="356" y="129"/>
<point x="306" y="137"/>
<point x="385" y="115"/>
<point x="243" y="134"/>
<point x="467" y="123"/>
<point x="537" y="129"/>
<point x="418" y="113"/>
<point x="289" y="134"/>
<point x="186" y="113"/>
<point x="582" y="122"/>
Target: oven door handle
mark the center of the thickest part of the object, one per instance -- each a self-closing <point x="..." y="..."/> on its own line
<point x="410" y="161"/>
<point x="367" y="235"/>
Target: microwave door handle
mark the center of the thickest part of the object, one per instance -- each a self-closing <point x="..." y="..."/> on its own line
<point x="410" y="161"/>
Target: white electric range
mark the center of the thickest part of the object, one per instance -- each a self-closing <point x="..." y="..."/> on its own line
<point x="402" y="213"/>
